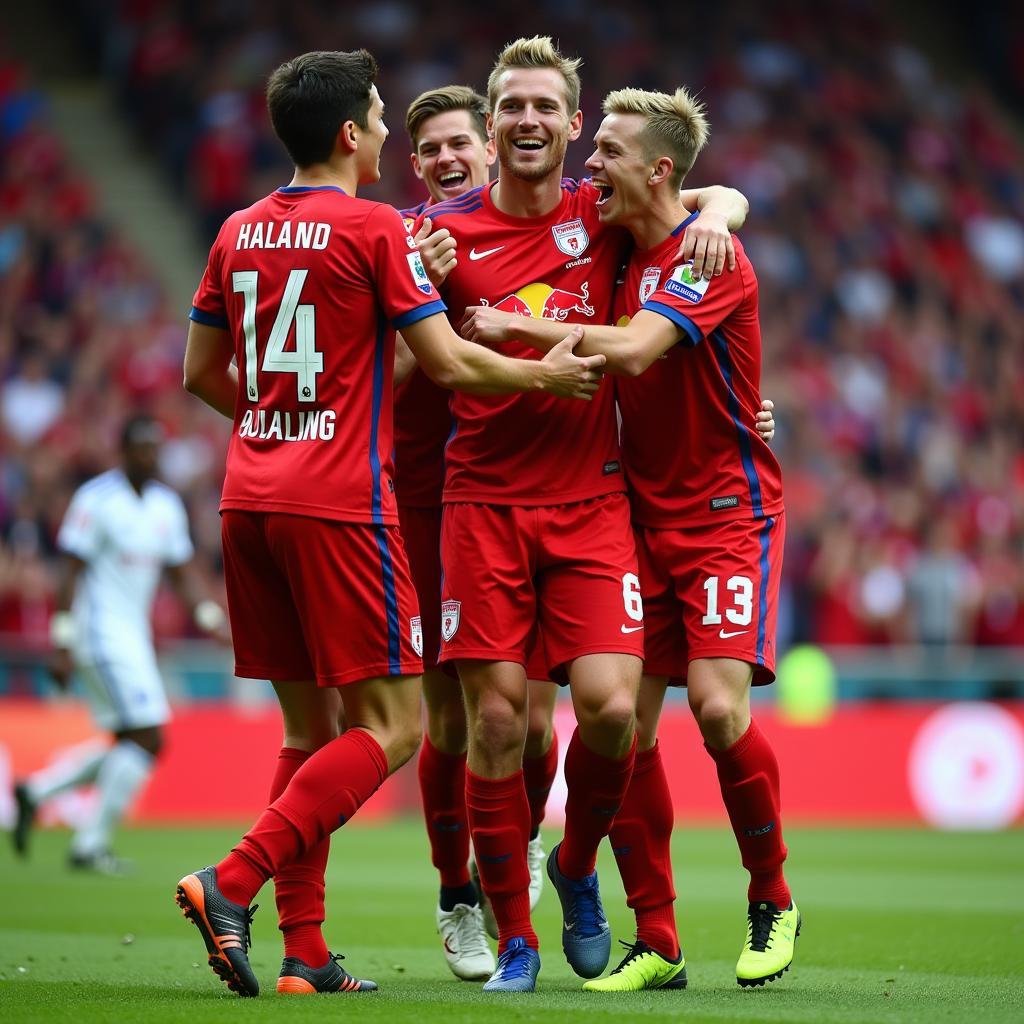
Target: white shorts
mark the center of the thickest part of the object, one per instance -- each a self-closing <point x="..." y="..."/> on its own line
<point x="125" y="691"/>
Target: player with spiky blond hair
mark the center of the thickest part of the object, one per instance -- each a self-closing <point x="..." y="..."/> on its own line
<point x="708" y="513"/>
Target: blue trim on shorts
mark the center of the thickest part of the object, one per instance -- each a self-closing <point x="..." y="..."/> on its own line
<point x="762" y="593"/>
<point x="390" y="601"/>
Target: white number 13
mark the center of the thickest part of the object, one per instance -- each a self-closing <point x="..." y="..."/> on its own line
<point x="742" y="590"/>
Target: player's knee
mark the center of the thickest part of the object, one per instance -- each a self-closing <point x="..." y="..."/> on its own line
<point x="608" y="728"/>
<point x="540" y="732"/>
<point x="499" y="726"/>
<point x="719" y="718"/>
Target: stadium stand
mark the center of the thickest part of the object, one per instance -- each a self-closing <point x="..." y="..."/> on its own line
<point x="886" y="225"/>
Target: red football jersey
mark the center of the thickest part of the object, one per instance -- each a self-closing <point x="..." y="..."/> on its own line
<point x="307" y="280"/>
<point x="533" y="449"/>
<point x="691" y="451"/>
<point x="423" y="422"/>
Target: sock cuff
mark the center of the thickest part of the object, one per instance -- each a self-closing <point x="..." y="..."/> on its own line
<point x="550" y="755"/>
<point x="294" y="754"/>
<point x="494" y="789"/>
<point x="647" y="760"/>
<point x="578" y="750"/>
<point x="739" y="748"/>
<point x="429" y="752"/>
<point x="375" y="751"/>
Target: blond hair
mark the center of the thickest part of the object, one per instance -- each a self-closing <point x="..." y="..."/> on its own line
<point x="537" y="52"/>
<point x="677" y="125"/>
<point x="440" y="101"/>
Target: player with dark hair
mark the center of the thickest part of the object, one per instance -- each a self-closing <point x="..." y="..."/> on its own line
<point x="292" y="338"/>
<point x="452" y="154"/>
<point x="539" y="491"/>
<point x="122" y="528"/>
<point x="708" y="512"/>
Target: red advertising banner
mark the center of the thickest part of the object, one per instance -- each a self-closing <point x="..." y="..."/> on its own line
<point x="958" y="765"/>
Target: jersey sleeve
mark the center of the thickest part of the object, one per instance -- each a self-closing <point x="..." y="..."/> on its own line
<point x="208" y="302"/>
<point x="80" y="533"/>
<point x="403" y="288"/>
<point x="179" y="548"/>
<point x="694" y="305"/>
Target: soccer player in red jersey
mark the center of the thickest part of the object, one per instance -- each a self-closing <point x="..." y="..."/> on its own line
<point x="539" y="492"/>
<point x="304" y="291"/>
<point x="452" y="155"/>
<point x="708" y="512"/>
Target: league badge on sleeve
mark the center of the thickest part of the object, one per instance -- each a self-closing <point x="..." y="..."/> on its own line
<point x="419" y="273"/>
<point x="450" y="612"/>
<point x="571" y="237"/>
<point x="649" y="283"/>
<point x="416" y="634"/>
<point x="682" y="282"/>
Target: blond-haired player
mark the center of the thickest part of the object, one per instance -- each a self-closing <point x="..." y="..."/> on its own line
<point x="709" y="519"/>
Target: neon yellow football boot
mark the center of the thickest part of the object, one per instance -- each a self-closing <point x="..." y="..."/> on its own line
<point x="641" y="968"/>
<point x="771" y="942"/>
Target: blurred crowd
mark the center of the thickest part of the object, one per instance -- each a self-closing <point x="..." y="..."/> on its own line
<point x="886" y="227"/>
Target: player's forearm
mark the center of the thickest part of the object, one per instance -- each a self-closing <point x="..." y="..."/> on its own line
<point x="217" y="387"/>
<point x="405" y="361"/>
<point x="480" y="371"/>
<point x="728" y="203"/>
<point x="624" y="353"/>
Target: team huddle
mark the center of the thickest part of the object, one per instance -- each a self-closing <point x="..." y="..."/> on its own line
<point x="571" y="417"/>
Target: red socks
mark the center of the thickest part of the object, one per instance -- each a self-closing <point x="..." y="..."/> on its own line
<point x="299" y="887"/>
<point x="538" y="775"/>
<point x="641" y="839"/>
<point x="749" y="776"/>
<point x="596" y="786"/>
<point x="499" y="817"/>
<point x="443" y="789"/>
<point x="321" y="796"/>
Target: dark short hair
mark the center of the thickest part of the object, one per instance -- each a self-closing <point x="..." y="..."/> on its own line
<point x="310" y="97"/>
<point x="440" y="101"/>
<point x="141" y="429"/>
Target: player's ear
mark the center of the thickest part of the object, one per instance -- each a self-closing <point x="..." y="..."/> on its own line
<point x="417" y="170"/>
<point x="575" y="125"/>
<point x="491" y="151"/>
<point x="662" y="170"/>
<point x="490" y="126"/>
<point x="348" y="137"/>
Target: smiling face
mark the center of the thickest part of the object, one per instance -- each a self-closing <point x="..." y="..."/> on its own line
<point x="371" y="140"/>
<point x="451" y="158"/>
<point x="620" y="169"/>
<point x="531" y="122"/>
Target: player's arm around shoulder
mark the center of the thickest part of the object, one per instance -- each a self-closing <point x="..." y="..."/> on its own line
<point x="208" y="372"/>
<point x="453" y="362"/>
<point x="707" y="239"/>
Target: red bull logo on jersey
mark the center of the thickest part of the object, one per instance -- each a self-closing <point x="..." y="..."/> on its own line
<point x="450" y="614"/>
<point x="542" y="301"/>
<point x="649" y="283"/>
<point x="571" y="237"/>
<point x="682" y="282"/>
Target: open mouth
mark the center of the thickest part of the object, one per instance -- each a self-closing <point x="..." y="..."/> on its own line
<point x="605" y="191"/>
<point x="452" y="181"/>
<point x="528" y="144"/>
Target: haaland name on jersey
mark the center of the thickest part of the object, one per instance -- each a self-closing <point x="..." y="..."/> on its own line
<point x="274" y="425"/>
<point x="272" y="235"/>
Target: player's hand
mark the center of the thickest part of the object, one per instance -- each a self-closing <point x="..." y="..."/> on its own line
<point x="709" y="244"/>
<point x="570" y="375"/>
<point x="437" y="250"/>
<point x="61" y="667"/>
<point x="488" y="326"/>
<point x="765" y="421"/>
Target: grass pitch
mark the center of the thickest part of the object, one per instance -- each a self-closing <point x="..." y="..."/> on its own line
<point x="899" y="926"/>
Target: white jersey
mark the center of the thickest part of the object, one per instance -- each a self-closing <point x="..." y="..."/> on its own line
<point x="125" y="539"/>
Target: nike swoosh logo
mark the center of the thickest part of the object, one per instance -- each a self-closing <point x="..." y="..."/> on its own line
<point x="474" y="255"/>
<point x="630" y="629"/>
<point x="725" y="636"/>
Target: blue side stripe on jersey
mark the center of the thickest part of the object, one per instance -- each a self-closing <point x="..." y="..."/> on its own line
<point x="762" y="592"/>
<point x="387" y="567"/>
<point x="681" y="320"/>
<point x="376" y="505"/>
<point x="419" y="313"/>
<point x="721" y="349"/>
<point x="208" y="319"/>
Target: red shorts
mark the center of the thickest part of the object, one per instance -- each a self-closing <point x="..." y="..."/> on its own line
<point x="317" y="599"/>
<point x="421" y="534"/>
<point x="712" y="592"/>
<point x="571" y="569"/>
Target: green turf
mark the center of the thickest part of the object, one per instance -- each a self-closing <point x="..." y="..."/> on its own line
<point x="898" y="926"/>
